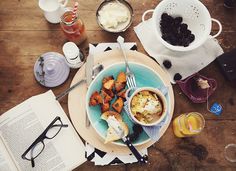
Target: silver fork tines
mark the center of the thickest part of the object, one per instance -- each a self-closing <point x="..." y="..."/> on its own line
<point x="131" y="83"/>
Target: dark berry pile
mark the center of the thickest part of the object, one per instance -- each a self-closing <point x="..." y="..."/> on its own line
<point x="174" y="31"/>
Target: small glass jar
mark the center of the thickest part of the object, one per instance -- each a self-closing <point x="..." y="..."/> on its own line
<point x="188" y="124"/>
<point x="73" y="29"/>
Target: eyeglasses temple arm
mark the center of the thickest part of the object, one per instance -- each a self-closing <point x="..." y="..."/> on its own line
<point x="32" y="162"/>
<point x="63" y="125"/>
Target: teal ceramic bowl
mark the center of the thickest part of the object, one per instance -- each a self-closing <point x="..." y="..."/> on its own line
<point x="145" y="77"/>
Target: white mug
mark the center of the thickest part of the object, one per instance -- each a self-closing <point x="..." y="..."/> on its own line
<point x="53" y="9"/>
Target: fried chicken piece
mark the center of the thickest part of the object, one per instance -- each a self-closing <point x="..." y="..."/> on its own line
<point x="118" y="105"/>
<point x="95" y="99"/>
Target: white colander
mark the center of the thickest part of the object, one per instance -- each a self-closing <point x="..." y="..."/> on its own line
<point x="194" y="14"/>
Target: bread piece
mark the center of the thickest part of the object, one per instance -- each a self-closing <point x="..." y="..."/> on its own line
<point x="105" y="115"/>
<point x="105" y="79"/>
<point x="111" y="134"/>
<point x="120" y="82"/>
<point x="95" y="99"/>
<point x="108" y="82"/>
<point x="118" y="105"/>
<point x="109" y="85"/>
<point x="105" y="107"/>
<point x="122" y="94"/>
<point x="119" y="86"/>
<point x="121" y="77"/>
<point x="109" y="92"/>
<point x="105" y="96"/>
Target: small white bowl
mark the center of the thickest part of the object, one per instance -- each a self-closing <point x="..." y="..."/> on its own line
<point x="121" y="27"/>
<point x="159" y="94"/>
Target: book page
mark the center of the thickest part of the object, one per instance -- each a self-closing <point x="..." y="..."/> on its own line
<point x="23" y="124"/>
<point x="6" y="162"/>
<point x="67" y="142"/>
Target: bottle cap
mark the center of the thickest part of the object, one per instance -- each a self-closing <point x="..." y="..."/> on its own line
<point x="70" y="50"/>
<point x="51" y="70"/>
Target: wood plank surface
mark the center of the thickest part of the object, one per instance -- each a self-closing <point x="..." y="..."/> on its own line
<point x="25" y="34"/>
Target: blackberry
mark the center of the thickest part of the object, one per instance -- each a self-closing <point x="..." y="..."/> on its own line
<point x="183" y="27"/>
<point x="174" y="31"/>
<point x="191" y="37"/>
<point x="187" y="33"/>
<point x="167" y="64"/>
<point x="164" y="16"/>
<point x="178" y="20"/>
<point x="177" y="76"/>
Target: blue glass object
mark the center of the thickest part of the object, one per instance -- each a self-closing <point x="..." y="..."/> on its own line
<point x="216" y="109"/>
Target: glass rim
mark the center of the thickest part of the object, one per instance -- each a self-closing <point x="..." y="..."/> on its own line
<point x="225" y="153"/>
<point x="189" y="114"/>
<point x="202" y="118"/>
<point x="67" y="12"/>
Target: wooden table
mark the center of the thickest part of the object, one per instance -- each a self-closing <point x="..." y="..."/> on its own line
<point x="25" y="34"/>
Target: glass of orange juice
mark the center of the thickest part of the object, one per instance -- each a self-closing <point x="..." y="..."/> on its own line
<point x="188" y="124"/>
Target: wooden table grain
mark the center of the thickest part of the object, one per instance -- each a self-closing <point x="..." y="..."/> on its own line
<point x="25" y="34"/>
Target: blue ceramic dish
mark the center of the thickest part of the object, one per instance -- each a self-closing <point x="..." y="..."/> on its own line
<point x="145" y="77"/>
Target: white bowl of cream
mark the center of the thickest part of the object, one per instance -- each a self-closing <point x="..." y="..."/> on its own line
<point x="114" y="16"/>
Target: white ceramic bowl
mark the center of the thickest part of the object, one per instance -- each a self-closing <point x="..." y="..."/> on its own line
<point x="194" y="14"/>
<point x="122" y="26"/>
<point x="163" y="101"/>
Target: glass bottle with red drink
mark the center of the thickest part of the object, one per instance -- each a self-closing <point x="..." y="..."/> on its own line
<point x="73" y="27"/>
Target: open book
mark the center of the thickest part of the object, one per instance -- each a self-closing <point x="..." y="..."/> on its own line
<point x="21" y="125"/>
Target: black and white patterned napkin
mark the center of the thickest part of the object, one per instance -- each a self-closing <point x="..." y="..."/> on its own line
<point x="102" y="158"/>
<point x="95" y="155"/>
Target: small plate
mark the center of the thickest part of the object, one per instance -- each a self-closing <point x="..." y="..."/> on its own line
<point x="142" y="75"/>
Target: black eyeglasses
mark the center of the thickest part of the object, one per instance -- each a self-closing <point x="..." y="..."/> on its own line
<point x="36" y="148"/>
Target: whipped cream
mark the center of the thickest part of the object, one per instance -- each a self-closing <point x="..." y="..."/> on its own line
<point x="114" y="16"/>
<point x="152" y="106"/>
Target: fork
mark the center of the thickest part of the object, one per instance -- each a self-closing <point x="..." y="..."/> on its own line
<point x="131" y="83"/>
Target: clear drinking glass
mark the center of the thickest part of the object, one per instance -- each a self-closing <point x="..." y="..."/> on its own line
<point x="230" y="152"/>
<point x="188" y="124"/>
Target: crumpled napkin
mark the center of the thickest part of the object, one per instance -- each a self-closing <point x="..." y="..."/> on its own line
<point x="183" y="64"/>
